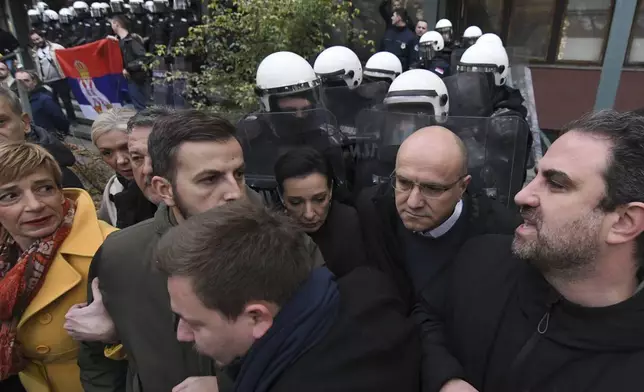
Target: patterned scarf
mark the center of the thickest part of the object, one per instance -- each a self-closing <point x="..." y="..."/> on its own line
<point x="19" y="284"/>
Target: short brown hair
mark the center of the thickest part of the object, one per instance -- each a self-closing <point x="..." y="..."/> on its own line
<point x="18" y="160"/>
<point x="237" y="253"/>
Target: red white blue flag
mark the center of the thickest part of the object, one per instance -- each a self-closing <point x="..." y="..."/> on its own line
<point x="94" y="73"/>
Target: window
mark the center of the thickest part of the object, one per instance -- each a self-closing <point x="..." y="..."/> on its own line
<point x="636" y="51"/>
<point x="531" y="26"/>
<point x="486" y="14"/>
<point x="584" y="30"/>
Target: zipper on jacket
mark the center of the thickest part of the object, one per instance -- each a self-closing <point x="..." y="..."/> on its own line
<point x="530" y="345"/>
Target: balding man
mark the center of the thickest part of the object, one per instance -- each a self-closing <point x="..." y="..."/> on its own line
<point x="414" y="225"/>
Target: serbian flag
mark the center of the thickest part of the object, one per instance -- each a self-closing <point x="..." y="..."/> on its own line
<point x="95" y="75"/>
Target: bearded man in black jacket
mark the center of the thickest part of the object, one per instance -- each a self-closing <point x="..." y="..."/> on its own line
<point x="414" y="225"/>
<point x="560" y="306"/>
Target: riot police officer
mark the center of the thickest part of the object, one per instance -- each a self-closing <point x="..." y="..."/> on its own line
<point x="470" y="37"/>
<point x="138" y="18"/>
<point x="84" y="30"/>
<point x="36" y="21"/>
<point x="67" y="27"/>
<point x="382" y="67"/>
<point x="430" y="54"/>
<point x="444" y="27"/>
<point x="54" y="32"/>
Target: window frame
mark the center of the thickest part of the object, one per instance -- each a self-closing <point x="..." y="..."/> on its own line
<point x="556" y="33"/>
<point x="631" y="38"/>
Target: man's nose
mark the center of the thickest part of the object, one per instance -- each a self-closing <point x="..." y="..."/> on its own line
<point x="527" y="196"/>
<point x="415" y="199"/>
<point x="184" y="333"/>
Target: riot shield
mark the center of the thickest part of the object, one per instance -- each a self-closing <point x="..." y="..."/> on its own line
<point x="345" y="103"/>
<point x="497" y="149"/>
<point x="266" y="136"/>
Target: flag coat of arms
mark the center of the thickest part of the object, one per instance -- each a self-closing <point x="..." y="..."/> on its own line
<point x="94" y="73"/>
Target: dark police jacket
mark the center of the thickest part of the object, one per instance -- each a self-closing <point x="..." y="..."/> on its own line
<point x="505" y="329"/>
<point x="399" y="40"/>
<point x="386" y="250"/>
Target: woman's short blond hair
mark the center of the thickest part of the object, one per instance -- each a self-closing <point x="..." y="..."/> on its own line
<point x="114" y="119"/>
<point x="18" y="160"/>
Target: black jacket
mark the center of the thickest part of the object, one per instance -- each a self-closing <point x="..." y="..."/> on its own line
<point x="59" y="151"/>
<point x="134" y="58"/>
<point x="399" y="41"/>
<point x="340" y="240"/>
<point x="506" y="329"/>
<point x="371" y="346"/>
<point x="379" y="219"/>
<point x="132" y="206"/>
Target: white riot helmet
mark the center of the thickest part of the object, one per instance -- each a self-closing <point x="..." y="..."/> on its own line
<point x="471" y="35"/>
<point x="117" y="6"/>
<point x="419" y="87"/>
<point x="284" y="74"/>
<point x="50" y="16"/>
<point x="488" y="58"/>
<point x="42" y="6"/>
<point x="444" y="26"/>
<point x="137" y="7"/>
<point x="429" y="44"/>
<point x="149" y="6"/>
<point x="383" y="66"/>
<point x="490" y="38"/>
<point x="34" y="16"/>
<point x="180" y="5"/>
<point x="339" y="65"/>
<point x="96" y="10"/>
<point x="65" y="16"/>
<point x="72" y="11"/>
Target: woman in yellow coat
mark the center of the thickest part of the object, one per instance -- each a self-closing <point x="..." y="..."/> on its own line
<point x="49" y="238"/>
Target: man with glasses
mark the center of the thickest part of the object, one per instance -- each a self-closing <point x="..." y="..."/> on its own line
<point x="414" y="225"/>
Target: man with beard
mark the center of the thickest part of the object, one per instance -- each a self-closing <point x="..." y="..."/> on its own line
<point x="197" y="164"/>
<point x="49" y="71"/>
<point x="560" y="306"/>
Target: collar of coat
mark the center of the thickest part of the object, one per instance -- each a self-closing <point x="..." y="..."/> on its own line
<point x="84" y="239"/>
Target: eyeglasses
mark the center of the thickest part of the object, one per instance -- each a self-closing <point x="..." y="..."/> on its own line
<point x="431" y="191"/>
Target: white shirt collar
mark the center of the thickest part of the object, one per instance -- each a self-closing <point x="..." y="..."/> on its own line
<point x="447" y="225"/>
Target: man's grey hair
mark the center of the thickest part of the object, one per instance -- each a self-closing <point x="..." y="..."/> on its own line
<point x="147" y="117"/>
<point x="11" y="99"/>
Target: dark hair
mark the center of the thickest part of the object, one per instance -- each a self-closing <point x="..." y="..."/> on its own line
<point x="122" y="20"/>
<point x="624" y="175"/>
<point x="188" y="125"/>
<point x="34" y="31"/>
<point x="237" y="253"/>
<point x="301" y="162"/>
<point x="11" y="99"/>
<point x="402" y="13"/>
<point x="422" y="20"/>
<point x="147" y="117"/>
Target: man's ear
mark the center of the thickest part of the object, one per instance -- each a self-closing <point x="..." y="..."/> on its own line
<point x="163" y="188"/>
<point x="261" y="317"/>
<point x="627" y="225"/>
<point x="464" y="183"/>
<point x="26" y="122"/>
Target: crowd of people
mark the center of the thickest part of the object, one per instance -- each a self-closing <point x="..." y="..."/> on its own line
<point x="367" y="230"/>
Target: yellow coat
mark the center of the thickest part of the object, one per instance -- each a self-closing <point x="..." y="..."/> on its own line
<point x="51" y="352"/>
